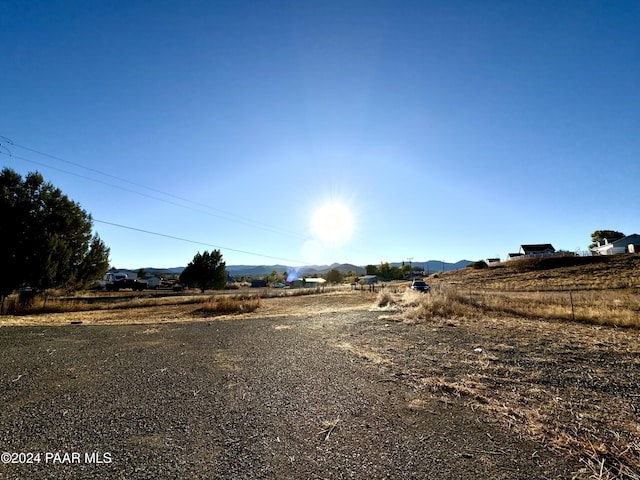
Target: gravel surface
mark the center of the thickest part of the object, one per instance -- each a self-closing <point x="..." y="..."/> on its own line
<point x="277" y="398"/>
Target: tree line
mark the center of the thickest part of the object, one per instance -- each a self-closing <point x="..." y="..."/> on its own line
<point x="49" y="244"/>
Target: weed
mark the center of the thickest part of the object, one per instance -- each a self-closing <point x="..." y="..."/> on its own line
<point x="442" y="302"/>
<point x="384" y="299"/>
<point x="227" y="304"/>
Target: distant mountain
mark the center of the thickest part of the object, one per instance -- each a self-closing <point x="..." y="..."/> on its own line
<point x="164" y="271"/>
<point x="255" y="270"/>
<point x="430" y="266"/>
<point x="341" y="267"/>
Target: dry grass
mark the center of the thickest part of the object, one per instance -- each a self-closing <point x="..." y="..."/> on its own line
<point x="620" y="308"/>
<point x="385" y="299"/>
<point x="616" y="308"/>
<point x="614" y="272"/>
<point x="519" y="357"/>
<point x="116" y="309"/>
<point x="50" y="304"/>
<point x="441" y="302"/>
<point x="299" y="292"/>
<point x="225" y="305"/>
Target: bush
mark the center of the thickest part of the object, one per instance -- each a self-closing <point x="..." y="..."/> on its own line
<point x="384" y="298"/>
<point x="479" y="265"/>
<point x="227" y="304"/>
<point x="442" y="302"/>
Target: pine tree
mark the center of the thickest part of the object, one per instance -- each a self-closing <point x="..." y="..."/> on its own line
<point x="206" y="271"/>
<point x="48" y="240"/>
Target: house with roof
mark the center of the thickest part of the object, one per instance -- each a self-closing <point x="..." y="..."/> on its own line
<point x="310" y="282"/>
<point x="628" y="244"/>
<point x="537" y="250"/>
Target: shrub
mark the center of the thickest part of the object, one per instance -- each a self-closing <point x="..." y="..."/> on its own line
<point x="227" y="304"/>
<point x="479" y="265"/>
<point x="384" y="298"/>
<point x="442" y="302"/>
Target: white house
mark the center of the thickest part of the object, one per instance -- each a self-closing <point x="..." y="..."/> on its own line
<point x="152" y="281"/>
<point x="308" y="282"/>
<point x="542" y="249"/>
<point x="626" y="244"/>
<point x="368" y="279"/>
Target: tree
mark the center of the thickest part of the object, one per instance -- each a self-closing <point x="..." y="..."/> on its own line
<point x="334" y="276"/>
<point x="389" y="272"/>
<point x="602" y="235"/>
<point x="384" y="271"/>
<point x="205" y="271"/>
<point x="273" y="277"/>
<point x="371" y="270"/>
<point x="351" y="277"/>
<point x="47" y="238"/>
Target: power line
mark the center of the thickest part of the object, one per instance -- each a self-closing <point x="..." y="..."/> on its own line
<point x="119" y="187"/>
<point x="156" y="233"/>
<point x="209" y="209"/>
<point x="173" y="237"/>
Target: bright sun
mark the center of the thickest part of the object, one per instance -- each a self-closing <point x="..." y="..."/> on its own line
<point x="332" y="224"/>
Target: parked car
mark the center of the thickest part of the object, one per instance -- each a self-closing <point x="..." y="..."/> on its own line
<point x="420" y="285"/>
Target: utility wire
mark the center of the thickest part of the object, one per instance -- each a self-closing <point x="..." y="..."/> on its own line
<point x="196" y="242"/>
<point x="156" y="233"/>
<point x="119" y="187"/>
<point x="209" y="209"/>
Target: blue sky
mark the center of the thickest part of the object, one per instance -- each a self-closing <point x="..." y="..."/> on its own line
<point x="448" y="130"/>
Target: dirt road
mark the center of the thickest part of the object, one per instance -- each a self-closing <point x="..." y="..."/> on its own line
<point x="266" y="398"/>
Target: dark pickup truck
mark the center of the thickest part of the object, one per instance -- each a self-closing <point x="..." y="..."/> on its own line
<point x="126" y="283"/>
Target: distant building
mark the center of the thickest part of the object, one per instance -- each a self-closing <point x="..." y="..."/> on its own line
<point x="308" y="282"/>
<point x="152" y="281"/>
<point x="368" y="279"/>
<point x="537" y="250"/>
<point x="628" y="244"/>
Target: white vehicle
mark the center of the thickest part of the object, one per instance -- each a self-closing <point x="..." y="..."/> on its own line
<point x="114" y="281"/>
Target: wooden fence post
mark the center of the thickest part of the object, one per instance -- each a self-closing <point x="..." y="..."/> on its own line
<point x="573" y="313"/>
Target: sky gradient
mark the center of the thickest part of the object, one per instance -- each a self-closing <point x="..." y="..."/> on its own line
<point x="448" y="130"/>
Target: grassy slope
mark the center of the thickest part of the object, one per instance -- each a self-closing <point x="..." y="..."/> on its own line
<point x="553" y="273"/>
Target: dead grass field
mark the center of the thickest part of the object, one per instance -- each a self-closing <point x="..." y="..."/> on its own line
<point x="574" y="387"/>
<point x="146" y="308"/>
<point x="614" y="272"/>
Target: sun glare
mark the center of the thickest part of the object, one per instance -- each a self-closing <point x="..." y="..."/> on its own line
<point x="332" y="224"/>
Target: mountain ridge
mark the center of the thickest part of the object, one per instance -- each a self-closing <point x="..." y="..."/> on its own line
<point x="430" y="266"/>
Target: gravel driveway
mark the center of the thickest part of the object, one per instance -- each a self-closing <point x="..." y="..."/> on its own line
<point x="273" y="398"/>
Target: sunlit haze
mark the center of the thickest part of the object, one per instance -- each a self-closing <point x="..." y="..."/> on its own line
<point x="332" y="224"/>
<point x="341" y="131"/>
